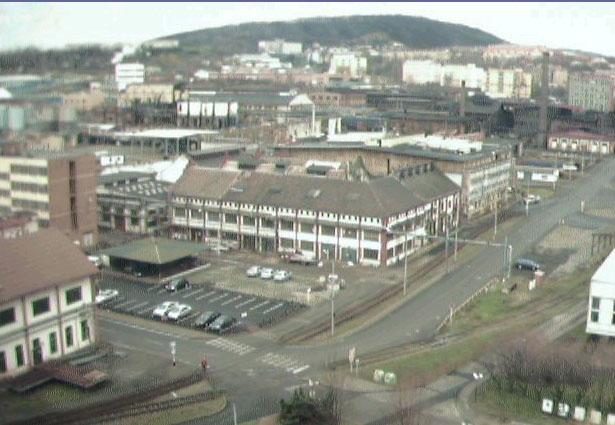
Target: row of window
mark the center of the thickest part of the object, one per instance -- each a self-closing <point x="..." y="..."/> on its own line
<point x="40" y="306"/>
<point x="30" y="205"/>
<point x="29" y="187"/>
<point x="37" y="349"/>
<point x="595" y="311"/>
<point x="28" y="170"/>
<point x="5" y="176"/>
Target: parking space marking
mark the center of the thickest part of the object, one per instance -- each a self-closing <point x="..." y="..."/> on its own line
<point x="124" y="304"/>
<point x="185" y="319"/>
<point x="153" y="288"/>
<point x="226" y="294"/>
<point x="231" y="346"/>
<point x="200" y="297"/>
<point x="275" y="307"/>
<point x="264" y="303"/>
<point x="134" y="307"/>
<point x="301" y="369"/>
<point x="231" y="300"/>
<point x="251" y="300"/>
<point x="193" y="293"/>
<point x="161" y="291"/>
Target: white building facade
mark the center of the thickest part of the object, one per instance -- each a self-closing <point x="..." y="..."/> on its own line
<point x="508" y="83"/>
<point x="349" y="63"/>
<point x="49" y="318"/>
<point x="601" y="305"/>
<point x="129" y="73"/>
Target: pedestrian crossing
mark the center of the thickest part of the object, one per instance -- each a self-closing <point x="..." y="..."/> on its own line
<point x="284" y="362"/>
<point x="230" y="346"/>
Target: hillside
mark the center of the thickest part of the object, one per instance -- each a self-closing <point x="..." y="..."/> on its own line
<point x="416" y="33"/>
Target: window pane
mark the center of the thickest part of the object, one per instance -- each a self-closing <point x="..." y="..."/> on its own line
<point x="594" y="316"/>
<point x="40" y="306"/>
<point x="85" y="330"/>
<point x="595" y="303"/>
<point x="2" y="362"/>
<point x="69" y="336"/>
<point x="7" y="316"/>
<point x="19" y="355"/>
<point x="53" y="343"/>
<point x="73" y="295"/>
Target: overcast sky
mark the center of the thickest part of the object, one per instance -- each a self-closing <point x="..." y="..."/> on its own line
<point x="583" y="26"/>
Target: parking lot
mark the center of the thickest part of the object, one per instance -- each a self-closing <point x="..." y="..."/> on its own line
<point x="140" y="299"/>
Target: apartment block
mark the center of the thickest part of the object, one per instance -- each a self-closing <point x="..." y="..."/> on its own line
<point x="592" y="91"/>
<point x="508" y="83"/>
<point x="46" y="305"/>
<point x="59" y="188"/>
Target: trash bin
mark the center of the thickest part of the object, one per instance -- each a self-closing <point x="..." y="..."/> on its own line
<point x="378" y="375"/>
<point x="390" y="379"/>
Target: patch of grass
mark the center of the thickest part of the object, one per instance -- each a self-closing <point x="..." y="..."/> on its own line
<point x="519" y="407"/>
<point x="440" y="360"/>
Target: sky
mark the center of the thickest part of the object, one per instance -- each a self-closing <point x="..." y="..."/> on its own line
<point x="580" y="26"/>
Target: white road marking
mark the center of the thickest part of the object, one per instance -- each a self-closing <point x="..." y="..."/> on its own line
<point x="270" y="309"/>
<point x="220" y="297"/>
<point x="231" y="346"/>
<point x="153" y="288"/>
<point x="231" y="300"/>
<point x="251" y="300"/>
<point x="134" y="307"/>
<point x="260" y="305"/>
<point x="284" y="362"/>
<point x="141" y="328"/>
<point x="124" y="304"/>
<point x="301" y="369"/>
<point x="193" y="293"/>
<point x="200" y="297"/>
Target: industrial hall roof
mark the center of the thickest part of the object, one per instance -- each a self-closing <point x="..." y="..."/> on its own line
<point x="40" y="261"/>
<point x="155" y="250"/>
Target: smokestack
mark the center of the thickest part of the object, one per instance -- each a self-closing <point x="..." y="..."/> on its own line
<point x="543" y="124"/>
<point x="462" y="100"/>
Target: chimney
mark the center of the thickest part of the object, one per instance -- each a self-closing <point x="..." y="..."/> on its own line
<point x="462" y="100"/>
<point x="543" y="124"/>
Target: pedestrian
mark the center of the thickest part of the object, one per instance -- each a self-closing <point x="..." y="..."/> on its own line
<point x="204" y="364"/>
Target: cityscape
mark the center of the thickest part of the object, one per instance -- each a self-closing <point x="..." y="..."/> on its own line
<point x="307" y="213"/>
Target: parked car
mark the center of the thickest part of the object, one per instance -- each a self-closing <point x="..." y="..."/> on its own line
<point x="282" y="275"/>
<point x="223" y="324"/>
<point x="524" y="263"/>
<point x="179" y="312"/>
<point x="177" y="285"/>
<point x="253" y="271"/>
<point x="161" y="310"/>
<point x="531" y="199"/>
<point x="298" y="257"/>
<point x="267" y="273"/>
<point x="206" y="319"/>
<point x="106" y="295"/>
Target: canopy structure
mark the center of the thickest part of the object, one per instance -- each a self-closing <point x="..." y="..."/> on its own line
<point x="153" y="256"/>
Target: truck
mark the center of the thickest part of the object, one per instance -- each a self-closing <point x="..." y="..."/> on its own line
<point x="299" y="257"/>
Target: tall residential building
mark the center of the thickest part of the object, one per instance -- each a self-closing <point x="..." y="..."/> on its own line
<point x="279" y="47"/>
<point x="592" y="91"/>
<point x="46" y="301"/>
<point x="508" y="83"/>
<point x="60" y="188"/>
<point x="129" y="73"/>
<point x="348" y="63"/>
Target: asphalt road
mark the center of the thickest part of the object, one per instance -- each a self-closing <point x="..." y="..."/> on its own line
<point x="257" y="372"/>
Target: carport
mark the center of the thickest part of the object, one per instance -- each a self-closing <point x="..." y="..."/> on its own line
<point x="153" y="257"/>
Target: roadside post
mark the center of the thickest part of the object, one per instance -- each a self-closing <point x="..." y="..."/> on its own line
<point x="173" y="352"/>
<point x="351" y="356"/>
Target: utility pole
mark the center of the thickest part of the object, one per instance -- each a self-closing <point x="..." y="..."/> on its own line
<point x="446" y="248"/>
<point x="405" y="259"/>
<point x="332" y="312"/>
<point x="495" y="217"/>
